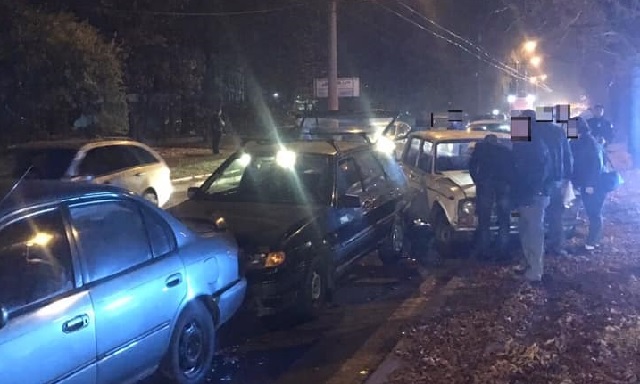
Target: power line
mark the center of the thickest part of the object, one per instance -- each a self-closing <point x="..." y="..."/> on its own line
<point x="206" y="14"/>
<point x="422" y="27"/>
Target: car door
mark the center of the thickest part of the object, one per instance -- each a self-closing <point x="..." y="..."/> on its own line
<point x="49" y="334"/>
<point x="378" y="202"/>
<point x="136" y="285"/>
<point x="149" y="171"/>
<point x="349" y="221"/>
<point x="111" y="164"/>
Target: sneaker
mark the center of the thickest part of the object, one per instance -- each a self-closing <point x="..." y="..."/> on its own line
<point x="589" y="247"/>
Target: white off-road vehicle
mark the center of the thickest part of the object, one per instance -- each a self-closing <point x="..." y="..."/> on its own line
<point x="443" y="194"/>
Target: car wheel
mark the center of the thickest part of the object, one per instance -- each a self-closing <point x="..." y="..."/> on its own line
<point x="443" y="235"/>
<point x="313" y="295"/>
<point x="396" y="243"/>
<point x="151" y="196"/>
<point x="190" y="355"/>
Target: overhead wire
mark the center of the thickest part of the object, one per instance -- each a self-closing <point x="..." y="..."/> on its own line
<point x="495" y="62"/>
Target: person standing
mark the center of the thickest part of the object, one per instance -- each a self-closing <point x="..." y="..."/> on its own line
<point x="589" y="165"/>
<point x="217" y="128"/>
<point x="491" y="168"/>
<point x="561" y="159"/>
<point x="601" y="128"/>
<point x="530" y="191"/>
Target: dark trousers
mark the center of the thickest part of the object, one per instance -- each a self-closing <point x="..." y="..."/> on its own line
<point x="489" y="195"/>
<point x="554" y="212"/>
<point x="593" y="204"/>
<point x="216" y="136"/>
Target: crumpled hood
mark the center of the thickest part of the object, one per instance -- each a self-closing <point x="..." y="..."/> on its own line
<point x="463" y="181"/>
<point x="252" y="224"/>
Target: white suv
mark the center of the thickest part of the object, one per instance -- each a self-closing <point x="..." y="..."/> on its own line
<point x="443" y="194"/>
<point x="120" y="162"/>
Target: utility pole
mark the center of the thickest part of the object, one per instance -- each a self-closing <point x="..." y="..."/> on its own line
<point x="333" y="55"/>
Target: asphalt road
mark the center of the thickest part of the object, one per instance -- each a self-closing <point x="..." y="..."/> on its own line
<point x="344" y="345"/>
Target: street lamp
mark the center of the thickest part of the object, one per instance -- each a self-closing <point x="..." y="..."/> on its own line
<point x="530" y="46"/>
<point x="535" y="61"/>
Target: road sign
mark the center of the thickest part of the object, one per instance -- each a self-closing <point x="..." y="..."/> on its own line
<point x="347" y="87"/>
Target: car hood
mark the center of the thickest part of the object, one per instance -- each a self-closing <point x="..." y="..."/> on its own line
<point x="252" y="224"/>
<point x="464" y="182"/>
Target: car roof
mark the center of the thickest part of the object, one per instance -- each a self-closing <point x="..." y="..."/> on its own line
<point x="30" y="193"/>
<point x="453" y="135"/>
<point x="74" y="144"/>
<point x="318" y="147"/>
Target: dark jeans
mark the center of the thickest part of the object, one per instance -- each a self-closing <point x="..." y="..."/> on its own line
<point x="556" y="238"/>
<point x="216" y="136"/>
<point x="593" y="204"/>
<point x="488" y="195"/>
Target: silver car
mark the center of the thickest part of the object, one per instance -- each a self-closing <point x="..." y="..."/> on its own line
<point x="99" y="286"/>
<point x="116" y="161"/>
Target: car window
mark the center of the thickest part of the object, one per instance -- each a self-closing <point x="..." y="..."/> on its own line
<point x="111" y="237"/>
<point x="35" y="260"/>
<point x="230" y="177"/>
<point x="142" y="156"/>
<point x="453" y="156"/>
<point x="425" y="159"/>
<point x="160" y="234"/>
<point x="413" y="151"/>
<point x="105" y="160"/>
<point x="371" y="170"/>
<point x="349" y="181"/>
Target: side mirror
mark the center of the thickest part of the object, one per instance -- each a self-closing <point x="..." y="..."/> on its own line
<point x="192" y="192"/>
<point x="4" y="316"/>
<point x="349" y="201"/>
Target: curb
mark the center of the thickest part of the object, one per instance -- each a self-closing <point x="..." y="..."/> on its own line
<point x="189" y="178"/>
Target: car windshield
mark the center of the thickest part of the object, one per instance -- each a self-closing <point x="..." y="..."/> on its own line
<point x="272" y="178"/>
<point x="453" y="156"/>
<point x="46" y="163"/>
<point x="370" y="125"/>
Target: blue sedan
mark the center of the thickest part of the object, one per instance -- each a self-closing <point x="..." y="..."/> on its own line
<point x="99" y="286"/>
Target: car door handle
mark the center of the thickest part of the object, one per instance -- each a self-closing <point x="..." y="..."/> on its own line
<point x="75" y="324"/>
<point x="139" y="174"/>
<point x="173" y="280"/>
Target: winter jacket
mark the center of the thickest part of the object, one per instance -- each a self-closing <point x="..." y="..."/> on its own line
<point x="491" y="163"/>
<point x="532" y="166"/>
<point x="601" y="127"/>
<point x="559" y="149"/>
<point x="589" y="161"/>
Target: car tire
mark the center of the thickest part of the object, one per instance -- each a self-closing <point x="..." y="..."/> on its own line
<point x="443" y="235"/>
<point x="313" y="294"/>
<point x="151" y="196"/>
<point x="397" y="243"/>
<point x="190" y="356"/>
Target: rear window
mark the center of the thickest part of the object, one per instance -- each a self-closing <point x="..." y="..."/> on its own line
<point x="46" y="163"/>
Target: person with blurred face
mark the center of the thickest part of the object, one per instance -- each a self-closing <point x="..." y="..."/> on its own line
<point x="530" y="191"/>
<point x="589" y="165"/>
<point x="601" y="128"/>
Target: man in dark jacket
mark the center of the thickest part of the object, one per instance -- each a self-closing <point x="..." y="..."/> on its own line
<point x="530" y="191"/>
<point x="561" y="158"/>
<point x="601" y="128"/>
<point x="491" y="168"/>
<point x="589" y="165"/>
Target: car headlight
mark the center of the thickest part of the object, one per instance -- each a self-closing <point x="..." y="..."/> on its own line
<point x="385" y="145"/>
<point x="468" y="208"/>
<point x="267" y="259"/>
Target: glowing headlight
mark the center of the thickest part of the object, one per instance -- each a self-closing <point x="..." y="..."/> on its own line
<point x="286" y="159"/>
<point x="468" y="208"/>
<point x="385" y="144"/>
<point x="245" y="159"/>
<point x="268" y="260"/>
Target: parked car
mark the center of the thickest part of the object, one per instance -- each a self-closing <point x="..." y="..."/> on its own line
<point x="303" y="211"/>
<point x="442" y="192"/>
<point x="124" y="163"/>
<point x="490" y="125"/>
<point x="99" y="286"/>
